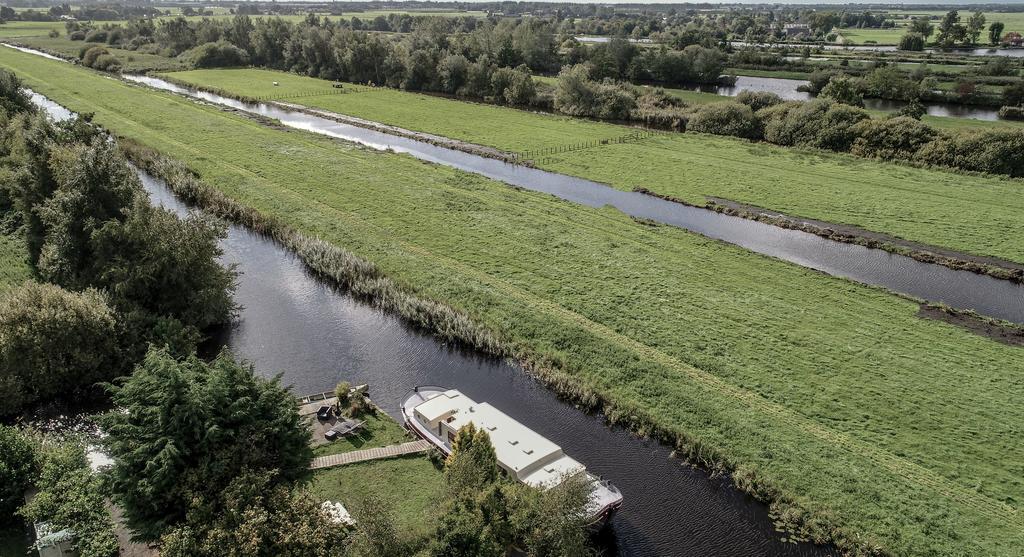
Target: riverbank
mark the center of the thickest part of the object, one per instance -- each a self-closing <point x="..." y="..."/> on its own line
<point x="731" y="391"/>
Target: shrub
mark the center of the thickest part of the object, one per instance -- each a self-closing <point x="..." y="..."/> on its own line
<point x="77" y="36"/>
<point x="819" y="79"/>
<point x="821" y="123"/>
<point x="216" y="54"/>
<point x="53" y="34"/>
<point x="89" y="54"/>
<point x="913" y="109"/>
<point x="725" y="118"/>
<point x="343" y="391"/>
<point x="54" y="341"/>
<point x="912" y="41"/>
<point x="359" y="405"/>
<point x="843" y="90"/>
<point x="96" y="36"/>
<point x="1012" y="112"/>
<point x="993" y="151"/>
<point x="892" y="138"/>
<point x="613" y="101"/>
<point x="757" y="100"/>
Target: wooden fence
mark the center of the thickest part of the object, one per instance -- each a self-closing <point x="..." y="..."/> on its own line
<point x="539" y="155"/>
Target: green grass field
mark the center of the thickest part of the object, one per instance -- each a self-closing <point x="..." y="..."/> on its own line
<point x="1014" y="21"/>
<point x="967" y="213"/>
<point x="412" y="486"/>
<point x="15" y="29"/>
<point x="901" y="430"/>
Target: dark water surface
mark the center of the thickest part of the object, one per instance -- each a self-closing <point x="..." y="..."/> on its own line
<point x="959" y="289"/>
<point x="314" y="335"/>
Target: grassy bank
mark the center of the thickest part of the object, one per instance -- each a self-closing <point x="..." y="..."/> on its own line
<point x="745" y="362"/>
<point x="411" y="485"/>
<point x="967" y="213"/>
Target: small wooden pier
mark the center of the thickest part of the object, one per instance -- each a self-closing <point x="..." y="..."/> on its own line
<point x="391" y="451"/>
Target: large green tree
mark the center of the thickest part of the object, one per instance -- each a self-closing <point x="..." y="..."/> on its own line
<point x="995" y="32"/>
<point x="185" y="428"/>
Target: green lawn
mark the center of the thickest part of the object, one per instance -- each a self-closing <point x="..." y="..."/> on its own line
<point x="1014" y="21"/>
<point x="14" y="29"/>
<point x="968" y="213"/>
<point x="14" y="267"/>
<point x="904" y="432"/>
<point x="412" y="486"/>
<point x="379" y="431"/>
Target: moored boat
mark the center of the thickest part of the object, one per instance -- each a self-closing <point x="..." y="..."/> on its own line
<point x="436" y="414"/>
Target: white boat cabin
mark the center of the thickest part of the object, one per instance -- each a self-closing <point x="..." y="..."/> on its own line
<point x="521" y="452"/>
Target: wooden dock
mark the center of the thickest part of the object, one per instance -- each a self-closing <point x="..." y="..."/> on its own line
<point x="351" y="457"/>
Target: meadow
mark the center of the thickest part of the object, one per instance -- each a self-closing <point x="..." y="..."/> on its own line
<point x="758" y="365"/>
<point x="411" y="486"/>
<point x="1014" y="21"/>
<point x="958" y="211"/>
<point x="15" y="29"/>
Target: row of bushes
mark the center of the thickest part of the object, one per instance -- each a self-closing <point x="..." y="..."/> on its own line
<point x="825" y="124"/>
<point x="117" y="273"/>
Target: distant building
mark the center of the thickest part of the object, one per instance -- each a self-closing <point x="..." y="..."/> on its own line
<point x="794" y="29"/>
<point x="1013" y="38"/>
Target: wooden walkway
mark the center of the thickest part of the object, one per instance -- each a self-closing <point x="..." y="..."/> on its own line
<point x="350" y="457"/>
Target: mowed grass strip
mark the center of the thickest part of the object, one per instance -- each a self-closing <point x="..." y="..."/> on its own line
<point x="967" y="213"/>
<point x="903" y="431"/>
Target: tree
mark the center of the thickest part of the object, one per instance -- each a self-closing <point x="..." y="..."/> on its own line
<point x="53" y="341"/>
<point x="376" y="533"/>
<point x="922" y="26"/>
<point x="255" y="517"/>
<point x="843" y="90"/>
<point x="165" y="266"/>
<point x="995" y="32"/>
<point x="950" y="29"/>
<point x="184" y="428"/>
<point x="472" y="464"/>
<point x="975" y="25"/>
<point x="17" y="468"/>
<point x="912" y="41"/>
<point x="914" y="109"/>
<point x="94" y="184"/>
<point x="463" y="531"/>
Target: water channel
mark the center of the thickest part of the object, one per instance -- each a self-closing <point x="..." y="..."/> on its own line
<point x="960" y="289"/>
<point x="293" y="323"/>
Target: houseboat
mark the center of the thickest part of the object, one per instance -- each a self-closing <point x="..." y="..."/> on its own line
<point x="436" y="414"/>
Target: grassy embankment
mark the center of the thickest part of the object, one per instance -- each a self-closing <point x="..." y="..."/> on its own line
<point x="967" y="213"/>
<point x="131" y="61"/>
<point x="909" y="443"/>
<point x="412" y="486"/>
